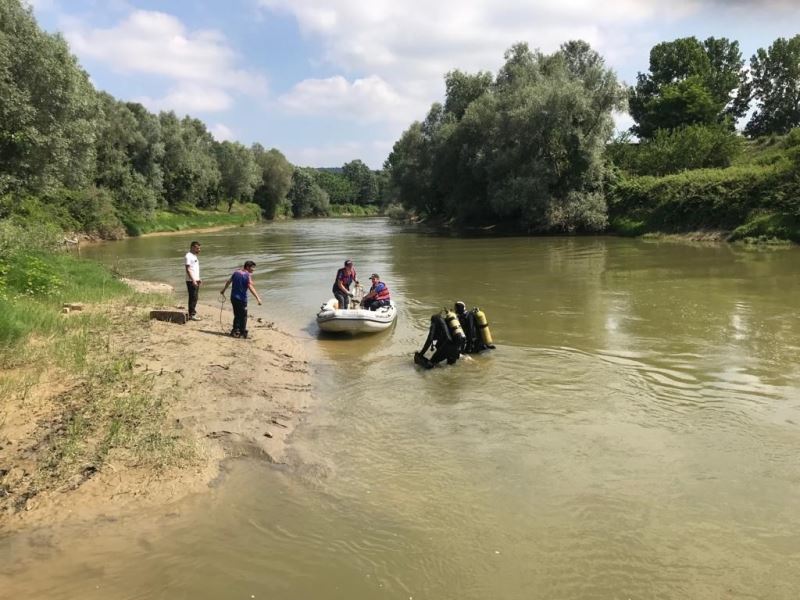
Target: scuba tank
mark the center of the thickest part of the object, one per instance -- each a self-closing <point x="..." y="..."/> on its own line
<point x="453" y="325"/>
<point x="483" y="327"/>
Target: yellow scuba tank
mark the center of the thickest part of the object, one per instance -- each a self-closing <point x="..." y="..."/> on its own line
<point x="453" y="325"/>
<point x="483" y="326"/>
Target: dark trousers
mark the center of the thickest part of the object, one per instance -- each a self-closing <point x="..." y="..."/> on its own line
<point x="344" y="299"/>
<point x="239" y="316"/>
<point x="376" y="304"/>
<point x="193" y="294"/>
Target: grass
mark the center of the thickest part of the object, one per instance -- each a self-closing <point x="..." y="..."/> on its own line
<point x="188" y="217"/>
<point x="353" y="210"/>
<point x="93" y="406"/>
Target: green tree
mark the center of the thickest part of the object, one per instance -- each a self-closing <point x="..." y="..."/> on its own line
<point x="306" y="197"/>
<point x="128" y="152"/>
<point x="462" y="89"/>
<point x="336" y="185"/>
<point x="362" y="181"/>
<point x="191" y="173"/>
<point x="775" y="86"/>
<point x="276" y="180"/>
<point x="689" y="82"/>
<point x="239" y="173"/>
<point x="528" y="150"/>
<point x="48" y="108"/>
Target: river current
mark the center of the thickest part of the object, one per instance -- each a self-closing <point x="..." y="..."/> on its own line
<point x="634" y="435"/>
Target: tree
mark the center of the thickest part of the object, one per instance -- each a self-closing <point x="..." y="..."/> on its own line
<point x="462" y="89"/>
<point x="128" y="153"/>
<point x="689" y="82"/>
<point x="48" y="108"/>
<point x="307" y="198"/>
<point x="276" y="180"/>
<point x="239" y="174"/>
<point x="362" y="180"/>
<point x="528" y="150"/>
<point x="775" y="86"/>
<point x="191" y="173"/>
<point x="338" y="187"/>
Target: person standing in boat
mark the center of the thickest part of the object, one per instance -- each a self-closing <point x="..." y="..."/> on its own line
<point x="341" y="286"/>
<point x="378" y="294"/>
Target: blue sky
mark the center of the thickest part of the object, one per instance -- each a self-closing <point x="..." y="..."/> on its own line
<point x="328" y="81"/>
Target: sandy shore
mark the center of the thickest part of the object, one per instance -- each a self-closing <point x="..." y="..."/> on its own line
<point x="230" y="397"/>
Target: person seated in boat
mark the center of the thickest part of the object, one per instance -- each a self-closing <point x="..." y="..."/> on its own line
<point x="473" y="330"/>
<point x="441" y="343"/>
<point x="345" y="277"/>
<point x="378" y="294"/>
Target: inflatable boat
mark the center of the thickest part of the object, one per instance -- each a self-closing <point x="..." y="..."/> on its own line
<point x="333" y="319"/>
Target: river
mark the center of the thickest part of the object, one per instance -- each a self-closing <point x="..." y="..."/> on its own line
<point x="634" y="435"/>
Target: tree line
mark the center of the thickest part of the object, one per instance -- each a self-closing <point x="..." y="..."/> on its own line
<point x="94" y="163"/>
<point x="532" y="145"/>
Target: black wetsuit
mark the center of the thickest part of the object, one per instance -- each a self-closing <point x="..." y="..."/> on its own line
<point x="443" y="344"/>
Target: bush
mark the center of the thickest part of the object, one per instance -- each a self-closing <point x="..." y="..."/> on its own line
<point x="721" y="199"/>
<point x="396" y="212"/>
<point x="89" y="210"/>
<point x="673" y="151"/>
<point x="17" y="236"/>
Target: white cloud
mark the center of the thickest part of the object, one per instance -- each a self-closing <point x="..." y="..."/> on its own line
<point x="423" y="39"/>
<point x="622" y="121"/>
<point x="367" y="100"/>
<point x="405" y="48"/>
<point x="221" y="132"/>
<point x="201" y="65"/>
<point x="189" y="98"/>
<point x="372" y="153"/>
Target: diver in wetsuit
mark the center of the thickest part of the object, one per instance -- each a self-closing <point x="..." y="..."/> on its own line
<point x="472" y="329"/>
<point x="441" y="342"/>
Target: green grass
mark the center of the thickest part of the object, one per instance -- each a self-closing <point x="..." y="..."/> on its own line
<point x="193" y="218"/>
<point x="34" y="285"/>
<point x="353" y="210"/>
<point x="107" y="409"/>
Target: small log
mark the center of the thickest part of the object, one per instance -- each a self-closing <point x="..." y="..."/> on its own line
<point x="74" y="305"/>
<point x="171" y="316"/>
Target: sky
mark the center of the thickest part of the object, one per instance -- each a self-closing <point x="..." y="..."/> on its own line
<point x="329" y="81"/>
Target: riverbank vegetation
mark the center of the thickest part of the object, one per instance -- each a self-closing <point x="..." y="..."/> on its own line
<point x="69" y="368"/>
<point x="86" y="162"/>
<point x="528" y="149"/>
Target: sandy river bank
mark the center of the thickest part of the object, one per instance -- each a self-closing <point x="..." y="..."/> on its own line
<point x="228" y="397"/>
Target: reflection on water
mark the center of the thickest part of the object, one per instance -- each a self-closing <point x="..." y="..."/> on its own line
<point x="634" y="435"/>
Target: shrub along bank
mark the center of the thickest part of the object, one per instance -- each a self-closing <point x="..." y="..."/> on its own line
<point x="756" y="199"/>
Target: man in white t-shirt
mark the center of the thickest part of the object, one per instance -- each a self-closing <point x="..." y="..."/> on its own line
<point x="192" y="264"/>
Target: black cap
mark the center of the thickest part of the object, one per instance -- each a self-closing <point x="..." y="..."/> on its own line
<point x="374" y="276"/>
<point x="348" y="262"/>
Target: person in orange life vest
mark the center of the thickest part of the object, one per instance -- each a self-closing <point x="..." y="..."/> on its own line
<point x="378" y="294"/>
<point x="341" y="286"/>
<point x="241" y="282"/>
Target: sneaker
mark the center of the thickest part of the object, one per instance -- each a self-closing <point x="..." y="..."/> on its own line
<point x="194" y="318"/>
<point x="235" y="333"/>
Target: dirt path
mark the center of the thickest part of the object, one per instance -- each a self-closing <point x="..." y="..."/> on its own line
<point x="230" y="397"/>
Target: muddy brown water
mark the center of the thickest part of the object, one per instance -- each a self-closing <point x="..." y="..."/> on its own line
<point x="635" y="434"/>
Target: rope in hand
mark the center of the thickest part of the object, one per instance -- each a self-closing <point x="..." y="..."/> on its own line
<point x="222" y="299"/>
